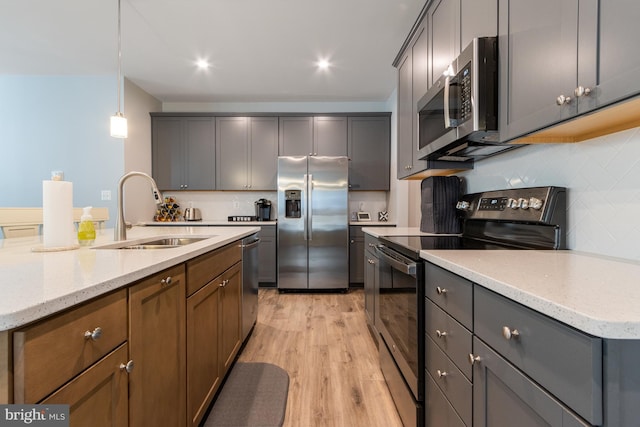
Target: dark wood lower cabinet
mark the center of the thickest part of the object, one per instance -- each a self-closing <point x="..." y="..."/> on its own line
<point x="157" y="344"/>
<point x="98" y="396"/>
<point x="204" y="373"/>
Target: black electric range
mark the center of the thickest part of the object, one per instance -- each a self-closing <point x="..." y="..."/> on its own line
<point x="527" y="218"/>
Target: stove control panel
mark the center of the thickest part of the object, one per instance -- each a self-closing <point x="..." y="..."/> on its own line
<point x="534" y="204"/>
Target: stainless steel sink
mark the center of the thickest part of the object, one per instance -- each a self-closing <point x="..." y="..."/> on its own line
<point x="154" y="243"/>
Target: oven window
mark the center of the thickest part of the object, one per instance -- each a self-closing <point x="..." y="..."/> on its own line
<point x="398" y="312"/>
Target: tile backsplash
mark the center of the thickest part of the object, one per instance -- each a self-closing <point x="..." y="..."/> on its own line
<point x="602" y="177"/>
<point x="218" y="205"/>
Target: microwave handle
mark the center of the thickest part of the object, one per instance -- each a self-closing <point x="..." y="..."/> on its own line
<point x="447" y="117"/>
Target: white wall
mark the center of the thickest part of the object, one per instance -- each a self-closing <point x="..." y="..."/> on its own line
<point x="602" y="176"/>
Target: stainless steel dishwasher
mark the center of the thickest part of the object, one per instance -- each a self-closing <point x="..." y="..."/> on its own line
<point x="249" y="283"/>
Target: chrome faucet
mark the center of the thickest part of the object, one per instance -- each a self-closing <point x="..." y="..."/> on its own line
<point x="121" y="226"/>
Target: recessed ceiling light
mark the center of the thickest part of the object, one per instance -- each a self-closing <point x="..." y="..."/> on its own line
<point x="323" y="64"/>
<point x="203" y="64"/>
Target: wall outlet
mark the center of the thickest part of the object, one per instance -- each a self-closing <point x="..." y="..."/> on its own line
<point x="105" y="195"/>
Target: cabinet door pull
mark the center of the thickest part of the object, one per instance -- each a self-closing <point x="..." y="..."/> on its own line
<point x="442" y="374"/>
<point x="473" y="358"/>
<point x="224" y="283"/>
<point x="441" y="291"/>
<point x="128" y="367"/>
<point x="93" y="335"/>
<point x="582" y="91"/>
<point x="166" y="282"/>
<point x="441" y="334"/>
<point x="508" y="333"/>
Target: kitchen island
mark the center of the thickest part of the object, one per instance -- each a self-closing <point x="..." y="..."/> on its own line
<point x="37" y="284"/>
<point x="92" y="327"/>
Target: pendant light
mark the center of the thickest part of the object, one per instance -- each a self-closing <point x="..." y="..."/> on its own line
<point x="118" y="121"/>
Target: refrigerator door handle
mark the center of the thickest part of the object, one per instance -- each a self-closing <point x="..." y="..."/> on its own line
<point x="310" y="206"/>
<point x="305" y="205"/>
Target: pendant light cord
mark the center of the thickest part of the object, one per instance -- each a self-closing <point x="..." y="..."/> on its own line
<point x="119" y="56"/>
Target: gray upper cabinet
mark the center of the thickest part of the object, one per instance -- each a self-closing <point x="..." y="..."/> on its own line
<point x="452" y="26"/>
<point x="246" y="153"/>
<point x="329" y="136"/>
<point x="369" y="153"/>
<point x="563" y="58"/>
<point x="412" y="84"/>
<point x="183" y="153"/>
<point x="296" y="136"/>
<point x="538" y="63"/>
<point x="613" y="27"/>
<point x="444" y="30"/>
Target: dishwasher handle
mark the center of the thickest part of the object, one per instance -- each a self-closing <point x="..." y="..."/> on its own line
<point x="396" y="261"/>
<point x="250" y="245"/>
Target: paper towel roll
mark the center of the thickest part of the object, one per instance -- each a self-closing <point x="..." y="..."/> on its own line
<point x="57" y="214"/>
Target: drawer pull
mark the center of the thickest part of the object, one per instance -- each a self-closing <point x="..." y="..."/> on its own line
<point x="441" y="291"/>
<point x="128" y="367"/>
<point x="93" y="335"/>
<point x="442" y="374"/>
<point x="509" y="333"/>
<point x="166" y="282"/>
<point x="473" y="359"/>
<point x="441" y="334"/>
<point x="224" y="283"/>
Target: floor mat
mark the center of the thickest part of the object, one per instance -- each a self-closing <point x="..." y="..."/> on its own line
<point x="254" y="395"/>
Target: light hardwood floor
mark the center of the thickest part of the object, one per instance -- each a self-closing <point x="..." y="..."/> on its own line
<point x="322" y="341"/>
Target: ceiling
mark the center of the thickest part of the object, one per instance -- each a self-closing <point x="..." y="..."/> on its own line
<point x="259" y="50"/>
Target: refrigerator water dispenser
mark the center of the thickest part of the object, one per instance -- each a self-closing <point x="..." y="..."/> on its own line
<point x="292" y="203"/>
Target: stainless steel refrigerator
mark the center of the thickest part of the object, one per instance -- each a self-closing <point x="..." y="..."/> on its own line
<point x="313" y="220"/>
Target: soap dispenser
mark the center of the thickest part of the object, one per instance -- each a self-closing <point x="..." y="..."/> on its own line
<point x="86" y="229"/>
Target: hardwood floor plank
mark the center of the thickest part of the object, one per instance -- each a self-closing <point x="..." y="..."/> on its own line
<point x="322" y="341"/>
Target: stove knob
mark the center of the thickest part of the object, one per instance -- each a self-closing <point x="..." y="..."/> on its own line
<point x="513" y="204"/>
<point x="523" y="203"/>
<point x="535" y="203"/>
<point x="463" y="205"/>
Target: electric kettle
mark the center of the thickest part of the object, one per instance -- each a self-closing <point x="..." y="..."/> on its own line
<point x="192" y="214"/>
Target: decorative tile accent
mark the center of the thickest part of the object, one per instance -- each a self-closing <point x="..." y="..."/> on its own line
<point x="602" y="176"/>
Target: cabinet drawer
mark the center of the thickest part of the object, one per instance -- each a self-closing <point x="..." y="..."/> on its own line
<point x="566" y="362"/>
<point x="455" y="386"/>
<point x="438" y="410"/>
<point x="453" y="338"/>
<point x="98" y="397"/>
<point x="49" y="353"/>
<point x="207" y="267"/>
<point x="451" y="292"/>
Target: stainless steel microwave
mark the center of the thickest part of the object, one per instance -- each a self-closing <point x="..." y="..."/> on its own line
<point x="458" y="116"/>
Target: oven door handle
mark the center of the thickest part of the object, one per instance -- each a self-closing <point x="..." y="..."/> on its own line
<point x="397" y="261"/>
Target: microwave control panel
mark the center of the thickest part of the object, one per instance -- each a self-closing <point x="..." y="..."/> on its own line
<point x="464" y="78"/>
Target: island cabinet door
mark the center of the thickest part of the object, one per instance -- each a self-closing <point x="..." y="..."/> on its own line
<point x="203" y="366"/>
<point x="157" y="344"/>
<point x="504" y="396"/>
<point x="99" y="396"/>
<point x="230" y="316"/>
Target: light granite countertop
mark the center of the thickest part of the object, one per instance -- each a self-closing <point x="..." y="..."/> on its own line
<point x="595" y="294"/>
<point x="37" y="284"/>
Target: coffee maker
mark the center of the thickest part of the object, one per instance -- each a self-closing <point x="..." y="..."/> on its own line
<point x="263" y="210"/>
